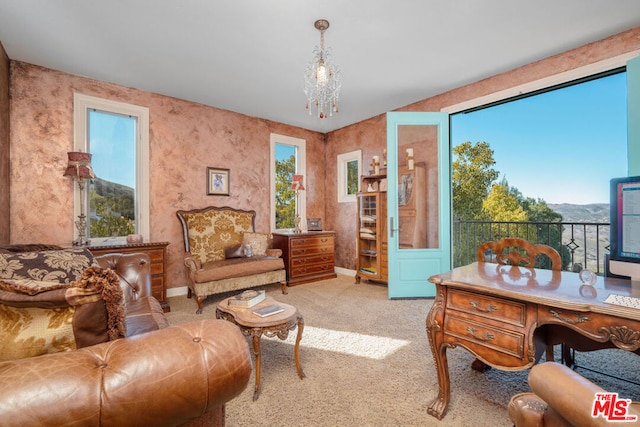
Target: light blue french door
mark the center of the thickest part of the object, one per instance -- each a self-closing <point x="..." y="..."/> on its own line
<point x="418" y="201"/>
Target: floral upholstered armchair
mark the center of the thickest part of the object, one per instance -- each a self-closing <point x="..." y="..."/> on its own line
<point x="224" y="253"/>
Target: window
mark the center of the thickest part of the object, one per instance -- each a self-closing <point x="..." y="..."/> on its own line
<point x="349" y="170"/>
<point x="288" y="158"/>
<point x="117" y="136"/>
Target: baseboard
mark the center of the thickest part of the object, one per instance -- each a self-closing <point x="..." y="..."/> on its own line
<point x="182" y="290"/>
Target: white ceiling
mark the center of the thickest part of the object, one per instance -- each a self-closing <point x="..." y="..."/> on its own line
<point x="249" y="56"/>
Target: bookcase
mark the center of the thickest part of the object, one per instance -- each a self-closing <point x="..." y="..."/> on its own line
<point x="371" y="243"/>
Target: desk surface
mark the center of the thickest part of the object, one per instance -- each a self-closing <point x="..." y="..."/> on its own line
<point x="562" y="289"/>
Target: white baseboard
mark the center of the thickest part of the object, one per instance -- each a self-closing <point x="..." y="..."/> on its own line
<point x="182" y="290"/>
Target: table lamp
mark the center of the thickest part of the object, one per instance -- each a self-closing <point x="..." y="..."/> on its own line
<point x="297" y="185"/>
<point x="79" y="169"/>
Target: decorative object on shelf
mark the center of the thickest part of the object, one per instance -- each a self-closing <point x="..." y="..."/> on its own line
<point x="134" y="239"/>
<point x="375" y="164"/>
<point x="297" y="185"/>
<point x="314" y="224"/>
<point x="79" y="169"/>
<point x="410" y="158"/>
<point x="217" y="182"/>
<point x="384" y="157"/>
<point x="322" y="78"/>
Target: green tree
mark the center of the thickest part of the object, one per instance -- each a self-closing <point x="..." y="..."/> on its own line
<point x="285" y="196"/>
<point x="472" y="175"/>
<point x="501" y="205"/>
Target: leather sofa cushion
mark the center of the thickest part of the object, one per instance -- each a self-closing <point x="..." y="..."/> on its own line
<point x="237" y="267"/>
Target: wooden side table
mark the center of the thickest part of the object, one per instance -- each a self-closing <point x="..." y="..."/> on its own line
<point x="157" y="253"/>
<point x="254" y="326"/>
<point x="308" y="257"/>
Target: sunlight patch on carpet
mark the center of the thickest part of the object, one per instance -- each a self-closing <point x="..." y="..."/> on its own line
<point x="369" y="346"/>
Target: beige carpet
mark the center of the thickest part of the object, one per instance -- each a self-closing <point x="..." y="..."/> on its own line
<point x="368" y="362"/>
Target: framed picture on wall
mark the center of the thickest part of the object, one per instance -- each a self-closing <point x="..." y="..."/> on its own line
<point x="217" y="181"/>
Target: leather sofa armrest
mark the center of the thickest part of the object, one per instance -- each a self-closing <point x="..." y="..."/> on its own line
<point x="192" y="263"/>
<point x="165" y="377"/>
<point x="134" y="271"/>
<point x="567" y="392"/>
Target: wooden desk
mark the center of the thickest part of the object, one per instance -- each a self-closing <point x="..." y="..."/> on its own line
<point x="506" y="316"/>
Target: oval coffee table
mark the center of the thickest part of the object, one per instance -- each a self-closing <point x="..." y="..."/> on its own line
<point x="254" y="326"/>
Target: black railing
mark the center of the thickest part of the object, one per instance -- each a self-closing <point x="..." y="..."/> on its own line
<point x="581" y="244"/>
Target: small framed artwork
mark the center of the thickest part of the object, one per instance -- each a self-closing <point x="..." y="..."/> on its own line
<point x="217" y="182"/>
<point x="314" y="224"/>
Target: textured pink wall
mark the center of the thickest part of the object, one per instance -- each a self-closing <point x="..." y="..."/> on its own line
<point x="370" y="135"/>
<point x="185" y="138"/>
<point x="5" y="208"/>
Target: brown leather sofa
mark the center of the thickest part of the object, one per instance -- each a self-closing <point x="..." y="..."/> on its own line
<point x="157" y="376"/>
<point x="560" y="397"/>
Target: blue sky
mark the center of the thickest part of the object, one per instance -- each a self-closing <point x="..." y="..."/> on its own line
<point x="562" y="146"/>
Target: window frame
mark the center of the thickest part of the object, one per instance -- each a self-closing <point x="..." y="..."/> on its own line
<point x="81" y="105"/>
<point x="301" y="169"/>
<point x="343" y="160"/>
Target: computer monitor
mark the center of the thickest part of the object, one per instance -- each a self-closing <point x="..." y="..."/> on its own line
<point x="624" y="259"/>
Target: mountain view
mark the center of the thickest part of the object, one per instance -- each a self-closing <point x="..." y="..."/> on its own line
<point x="594" y="238"/>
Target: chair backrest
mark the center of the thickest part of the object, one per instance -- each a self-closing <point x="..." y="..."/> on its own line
<point x="519" y="252"/>
<point x="208" y="231"/>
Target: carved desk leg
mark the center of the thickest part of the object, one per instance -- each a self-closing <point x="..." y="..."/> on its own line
<point x="255" y="338"/>
<point x="435" y="332"/>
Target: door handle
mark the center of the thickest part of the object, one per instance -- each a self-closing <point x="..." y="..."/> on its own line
<point x="392" y="230"/>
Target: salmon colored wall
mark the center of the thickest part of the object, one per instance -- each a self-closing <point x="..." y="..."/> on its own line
<point x="370" y="135"/>
<point x="185" y="138"/>
<point x="5" y="208"/>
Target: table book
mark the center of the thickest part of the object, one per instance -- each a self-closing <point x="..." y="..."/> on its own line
<point x="247" y="299"/>
<point x="268" y="310"/>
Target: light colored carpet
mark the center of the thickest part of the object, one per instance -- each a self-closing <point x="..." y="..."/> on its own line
<point x="368" y="362"/>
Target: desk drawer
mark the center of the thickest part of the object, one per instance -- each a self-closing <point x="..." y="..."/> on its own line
<point x="311" y="250"/>
<point x="312" y="260"/>
<point x="311" y="270"/>
<point x="500" y="340"/>
<point x="508" y="311"/>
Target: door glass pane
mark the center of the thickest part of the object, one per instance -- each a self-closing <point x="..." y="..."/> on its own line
<point x="418" y="186"/>
<point x="112" y="201"/>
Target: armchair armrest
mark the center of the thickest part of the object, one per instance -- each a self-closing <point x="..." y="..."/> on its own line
<point x="274" y="252"/>
<point x="192" y="263"/>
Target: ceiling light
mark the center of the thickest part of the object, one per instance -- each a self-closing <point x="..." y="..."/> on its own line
<point x="322" y="79"/>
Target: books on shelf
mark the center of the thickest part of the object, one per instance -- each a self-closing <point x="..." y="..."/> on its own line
<point x="369" y="270"/>
<point x="268" y="310"/>
<point x="247" y="299"/>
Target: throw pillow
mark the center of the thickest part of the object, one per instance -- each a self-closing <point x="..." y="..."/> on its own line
<point x="259" y="242"/>
<point x="38" y="317"/>
<point x="234" y="251"/>
<point x="62" y="266"/>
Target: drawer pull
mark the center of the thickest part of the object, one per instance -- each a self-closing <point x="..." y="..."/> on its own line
<point x="580" y="318"/>
<point x="487" y="335"/>
<point x="301" y="251"/>
<point x="476" y="305"/>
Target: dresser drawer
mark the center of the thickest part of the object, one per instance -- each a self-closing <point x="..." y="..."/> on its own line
<point x="482" y="335"/>
<point x="311" y="270"/>
<point x="312" y="260"/>
<point x="304" y="242"/>
<point x="488" y="307"/>
<point x="311" y="250"/>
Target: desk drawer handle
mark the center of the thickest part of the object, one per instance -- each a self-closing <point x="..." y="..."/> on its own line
<point x="579" y="318"/>
<point x="476" y="305"/>
<point x="487" y="335"/>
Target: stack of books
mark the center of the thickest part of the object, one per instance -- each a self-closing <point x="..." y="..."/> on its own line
<point x="268" y="310"/>
<point x="247" y="299"/>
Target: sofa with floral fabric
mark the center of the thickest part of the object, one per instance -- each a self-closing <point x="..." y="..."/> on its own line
<point x="223" y="252"/>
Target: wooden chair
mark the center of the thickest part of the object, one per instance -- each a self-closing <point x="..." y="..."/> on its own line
<point x="520" y="252"/>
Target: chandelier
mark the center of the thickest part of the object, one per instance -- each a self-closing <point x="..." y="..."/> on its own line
<point x="322" y="79"/>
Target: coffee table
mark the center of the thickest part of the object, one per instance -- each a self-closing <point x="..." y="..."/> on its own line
<point x="254" y="326"/>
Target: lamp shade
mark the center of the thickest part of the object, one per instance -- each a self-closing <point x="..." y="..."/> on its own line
<point x="79" y="165"/>
<point x="297" y="182"/>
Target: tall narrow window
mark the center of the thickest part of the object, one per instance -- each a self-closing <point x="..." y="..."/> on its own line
<point x="287" y="159"/>
<point x="116" y="134"/>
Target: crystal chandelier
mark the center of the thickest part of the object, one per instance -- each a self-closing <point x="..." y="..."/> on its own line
<point x="322" y="79"/>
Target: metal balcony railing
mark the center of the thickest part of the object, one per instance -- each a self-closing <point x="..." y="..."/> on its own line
<point x="580" y="244"/>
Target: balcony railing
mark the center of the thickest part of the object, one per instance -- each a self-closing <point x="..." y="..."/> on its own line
<point x="581" y="244"/>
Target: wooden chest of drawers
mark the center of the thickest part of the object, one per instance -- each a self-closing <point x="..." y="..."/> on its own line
<point x="307" y="256"/>
<point x="157" y="254"/>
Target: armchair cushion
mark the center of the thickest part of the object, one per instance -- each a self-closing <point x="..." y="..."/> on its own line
<point x="259" y="242"/>
<point x="237" y="267"/>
